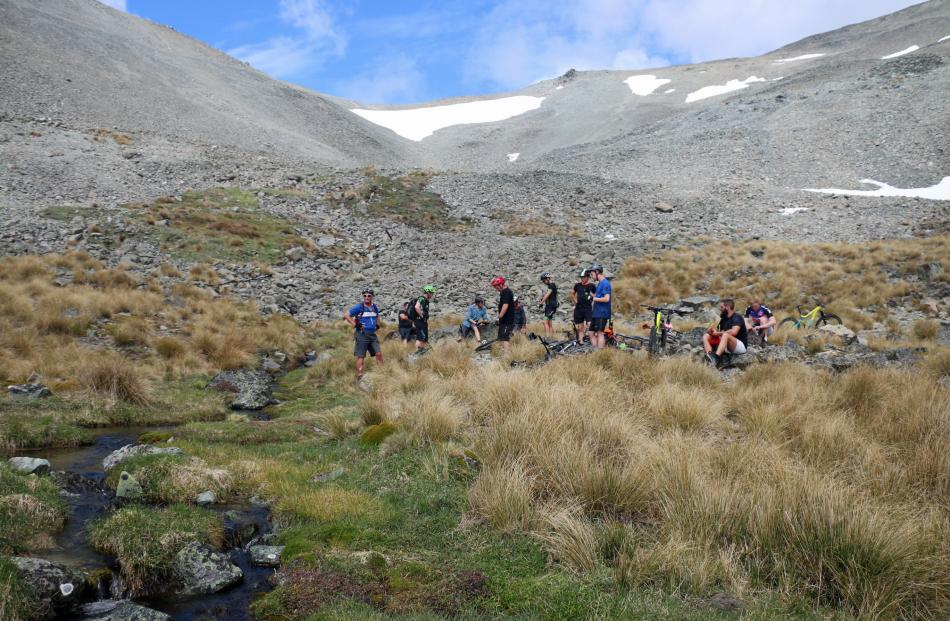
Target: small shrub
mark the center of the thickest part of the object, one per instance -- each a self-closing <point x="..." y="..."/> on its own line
<point x="503" y="495"/>
<point x="925" y="329"/>
<point x="169" y="347"/>
<point x="375" y="434"/>
<point x="114" y="377"/>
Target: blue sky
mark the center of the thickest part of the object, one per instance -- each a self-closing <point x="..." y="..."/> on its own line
<point x="396" y="51"/>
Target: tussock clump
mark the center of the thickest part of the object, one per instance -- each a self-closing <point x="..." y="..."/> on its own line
<point x="925" y="329"/>
<point x="111" y="376"/>
<point x="504" y="495"/>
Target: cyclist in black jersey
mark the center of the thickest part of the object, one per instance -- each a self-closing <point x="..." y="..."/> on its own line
<point x="582" y="296"/>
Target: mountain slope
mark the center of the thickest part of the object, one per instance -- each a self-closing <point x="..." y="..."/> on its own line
<point x="82" y="62"/>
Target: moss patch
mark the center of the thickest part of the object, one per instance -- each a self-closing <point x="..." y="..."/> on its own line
<point x="375" y="434"/>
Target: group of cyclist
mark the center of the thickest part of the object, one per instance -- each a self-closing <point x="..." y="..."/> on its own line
<point x="592" y="299"/>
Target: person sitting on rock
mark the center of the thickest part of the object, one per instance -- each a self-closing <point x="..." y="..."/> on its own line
<point x="548" y="304"/>
<point x="364" y="317"/>
<point x="759" y="318"/>
<point x="731" y="337"/>
<point x="475" y="316"/>
<point x="521" y="317"/>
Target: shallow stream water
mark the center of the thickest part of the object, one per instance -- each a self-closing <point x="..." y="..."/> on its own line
<point x="88" y="502"/>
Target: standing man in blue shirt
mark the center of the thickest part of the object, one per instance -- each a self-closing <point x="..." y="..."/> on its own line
<point x="600" y="316"/>
<point x="364" y="317"/>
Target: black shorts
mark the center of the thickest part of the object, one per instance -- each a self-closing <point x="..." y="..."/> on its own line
<point x="422" y="330"/>
<point x="366" y="342"/>
<point x="466" y="331"/>
<point x="599" y="324"/>
<point x="405" y="333"/>
<point x="582" y="314"/>
<point x="504" y="331"/>
<point x="549" y="312"/>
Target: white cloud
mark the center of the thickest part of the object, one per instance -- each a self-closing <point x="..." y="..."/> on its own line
<point x="392" y="79"/>
<point x="284" y="56"/>
<point x="520" y="41"/>
<point x="122" y="5"/>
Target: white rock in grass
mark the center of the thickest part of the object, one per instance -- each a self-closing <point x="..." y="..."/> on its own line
<point x="29" y="465"/>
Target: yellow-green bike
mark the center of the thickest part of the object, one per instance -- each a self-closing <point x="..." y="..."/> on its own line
<point x="814" y="318"/>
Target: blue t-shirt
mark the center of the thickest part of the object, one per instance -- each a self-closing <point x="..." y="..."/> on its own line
<point x="602" y="309"/>
<point x="369" y="317"/>
<point x="474" y="315"/>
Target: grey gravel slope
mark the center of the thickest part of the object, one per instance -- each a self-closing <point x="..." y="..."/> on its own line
<point x="82" y="62"/>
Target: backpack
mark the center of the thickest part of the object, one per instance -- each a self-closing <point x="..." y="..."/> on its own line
<point x="411" y="311"/>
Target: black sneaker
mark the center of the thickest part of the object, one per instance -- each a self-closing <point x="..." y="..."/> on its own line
<point x="712" y="358"/>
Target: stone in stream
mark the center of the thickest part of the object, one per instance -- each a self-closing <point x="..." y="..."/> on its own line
<point x="117" y="456"/>
<point x="206" y="499"/>
<point x="120" y="610"/>
<point x="200" y="570"/>
<point x="266" y="556"/>
<point x="57" y="588"/>
<point x="239" y="528"/>
<point x="128" y="488"/>
<point x="29" y="465"/>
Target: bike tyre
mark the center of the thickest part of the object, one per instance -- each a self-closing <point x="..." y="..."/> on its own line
<point x="789" y="321"/>
<point x="486" y="346"/>
<point x="828" y="318"/>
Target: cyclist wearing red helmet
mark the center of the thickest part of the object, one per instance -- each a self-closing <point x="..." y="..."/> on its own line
<point x="506" y="311"/>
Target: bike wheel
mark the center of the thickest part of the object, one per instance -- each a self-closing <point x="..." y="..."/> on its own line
<point x="653" y="346"/>
<point x="789" y="321"/>
<point x="828" y="318"/>
<point x="486" y="346"/>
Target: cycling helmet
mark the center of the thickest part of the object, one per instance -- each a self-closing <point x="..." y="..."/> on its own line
<point x="479" y="299"/>
<point x="584" y="272"/>
<point x="544" y="276"/>
<point x="596" y="267"/>
<point x="428" y="289"/>
<point x="497" y="280"/>
<point x="515" y="298"/>
<point x="368" y="292"/>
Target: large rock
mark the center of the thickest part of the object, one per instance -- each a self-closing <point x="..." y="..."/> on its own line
<point x="200" y="570"/>
<point x="252" y="389"/>
<point x="57" y="588"/>
<point x="117" y="456"/>
<point x="128" y="488"/>
<point x="28" y="391"/>
<point x="699" y="301"/>
<point x="206" y="499"/>
<point x="120" y="610"/>
<point x="844" y="335"/>
<point x="29" y="465"/>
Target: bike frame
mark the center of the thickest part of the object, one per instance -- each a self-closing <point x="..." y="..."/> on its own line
<point x="808" y="319"/>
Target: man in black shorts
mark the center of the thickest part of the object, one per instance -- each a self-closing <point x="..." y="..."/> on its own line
<point x="506" y="311"/>
<point x="422" y="316"/>
<point x="405" y="324"/>
<point x="549" y="304"/>
<point x="582" y="296"/>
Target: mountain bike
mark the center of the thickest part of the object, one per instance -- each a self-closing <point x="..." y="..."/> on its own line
<point x="812" y="319"/>
<point x="661" y="331"/>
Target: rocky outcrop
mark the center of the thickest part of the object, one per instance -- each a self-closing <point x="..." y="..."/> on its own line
<point x="28" y="391"/>
<point x="57" y="588"/>
<point x="252" y="389"/>
<point x="135" y="450"/>
<point x="201" y="570"/>
<point x="120" y="610"/>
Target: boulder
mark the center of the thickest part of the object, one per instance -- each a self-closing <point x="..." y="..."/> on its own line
<point x="28" y="391"/>
<point x="200" y="570"/>
<point x="128" y="488"/>
<point x="120" y="610"/>
<point x="206" y="499"/>
<point x="699" y="301"/>
<point x="117" y="456"/>
<point x="844" y="335"/>
<point x="57" y="588"/>
<point x="664" y="208"/>
<point x="266" y="556"/>
<point x="252" y="388"/>
<point x="239" y="528"/>
<point x="29" y="465"/>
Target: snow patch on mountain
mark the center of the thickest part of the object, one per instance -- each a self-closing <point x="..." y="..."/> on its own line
<point x="721" y="89"/>
<point x="912" y="48"/>
<point x="938" y="192"/>
<point x="942" y="39"/>
<point x="513" y="157"/>
<point x="802" y="57"/>
<point x="644" y="85"/>
<point x="418" y="123"/>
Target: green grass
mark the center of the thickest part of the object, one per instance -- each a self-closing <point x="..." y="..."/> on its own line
<point x="405" y="200"/>
<point x="220" y="224"/>
<point x="145" y="540"/>
<point x="60" y="422"/>
<point x="31" y="511"/>
<point x="65" y="213"/>
<point x="16" y="600"/>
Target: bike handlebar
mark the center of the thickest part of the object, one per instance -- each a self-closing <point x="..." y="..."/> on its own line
<point x="661" y="309"/>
